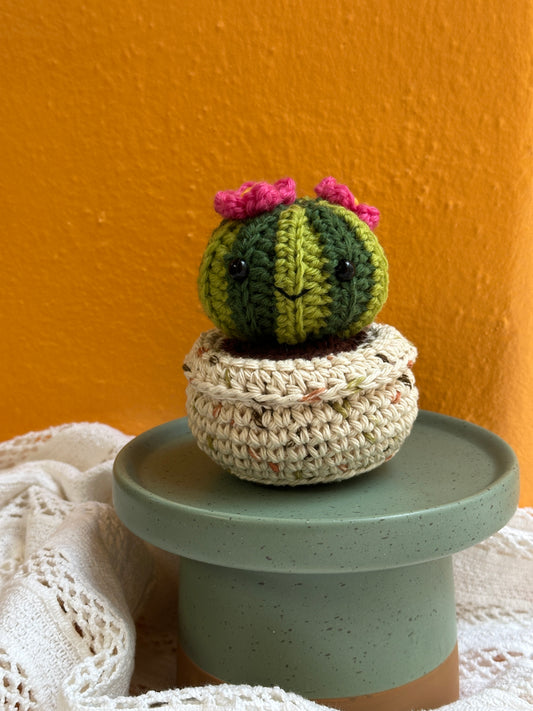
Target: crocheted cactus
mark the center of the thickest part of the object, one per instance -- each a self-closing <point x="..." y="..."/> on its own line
<point x="287" y="270"/>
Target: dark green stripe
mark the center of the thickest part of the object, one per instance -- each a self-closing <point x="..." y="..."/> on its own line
<point x="252" y="301"/>
<point x="340" y="241"/>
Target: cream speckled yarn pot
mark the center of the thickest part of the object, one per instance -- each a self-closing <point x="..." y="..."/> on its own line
<point x="302" y="420"/>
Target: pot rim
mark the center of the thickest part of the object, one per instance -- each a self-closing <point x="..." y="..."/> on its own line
<point x="383" y="357"/>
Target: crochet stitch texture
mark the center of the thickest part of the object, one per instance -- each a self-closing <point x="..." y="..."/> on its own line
<point x="302" y="421"/>
<point x="296" y="272"/>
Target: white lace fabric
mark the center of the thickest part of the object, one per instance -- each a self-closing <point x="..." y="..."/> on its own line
<point x="88" y="611"/>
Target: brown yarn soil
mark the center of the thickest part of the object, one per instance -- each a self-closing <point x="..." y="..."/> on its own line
<point x="308" y="350"/>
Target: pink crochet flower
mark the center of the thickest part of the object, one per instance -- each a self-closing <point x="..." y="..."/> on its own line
<point x="254" y="198"/>
<point x="338" y="194"/>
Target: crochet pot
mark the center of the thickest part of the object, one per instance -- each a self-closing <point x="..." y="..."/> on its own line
<point x="302" y="420"/>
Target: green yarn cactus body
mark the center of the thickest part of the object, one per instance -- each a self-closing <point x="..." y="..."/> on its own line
<point x="294" y="273"/>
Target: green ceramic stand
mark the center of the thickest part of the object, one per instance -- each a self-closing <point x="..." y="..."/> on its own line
<point x="340" y="592"/>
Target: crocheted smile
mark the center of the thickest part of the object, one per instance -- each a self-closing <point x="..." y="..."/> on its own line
<point x="292" y="297"/>
<point x="287" y="270"/>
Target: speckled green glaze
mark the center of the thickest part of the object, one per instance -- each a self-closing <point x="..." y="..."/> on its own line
<point x="320" y="635"/>
<point x="339" y="590"/>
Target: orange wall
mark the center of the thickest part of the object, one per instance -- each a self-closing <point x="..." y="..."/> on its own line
<point x="120" y="120"/>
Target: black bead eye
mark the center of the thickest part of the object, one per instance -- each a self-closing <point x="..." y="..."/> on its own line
<point x="345" y="270"/>
<point x="238" y="269"/>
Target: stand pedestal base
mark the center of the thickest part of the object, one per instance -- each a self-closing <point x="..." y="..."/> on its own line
<point x="342" y="637"/>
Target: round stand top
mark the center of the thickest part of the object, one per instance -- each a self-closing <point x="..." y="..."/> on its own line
<point x="452" y="485"/>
